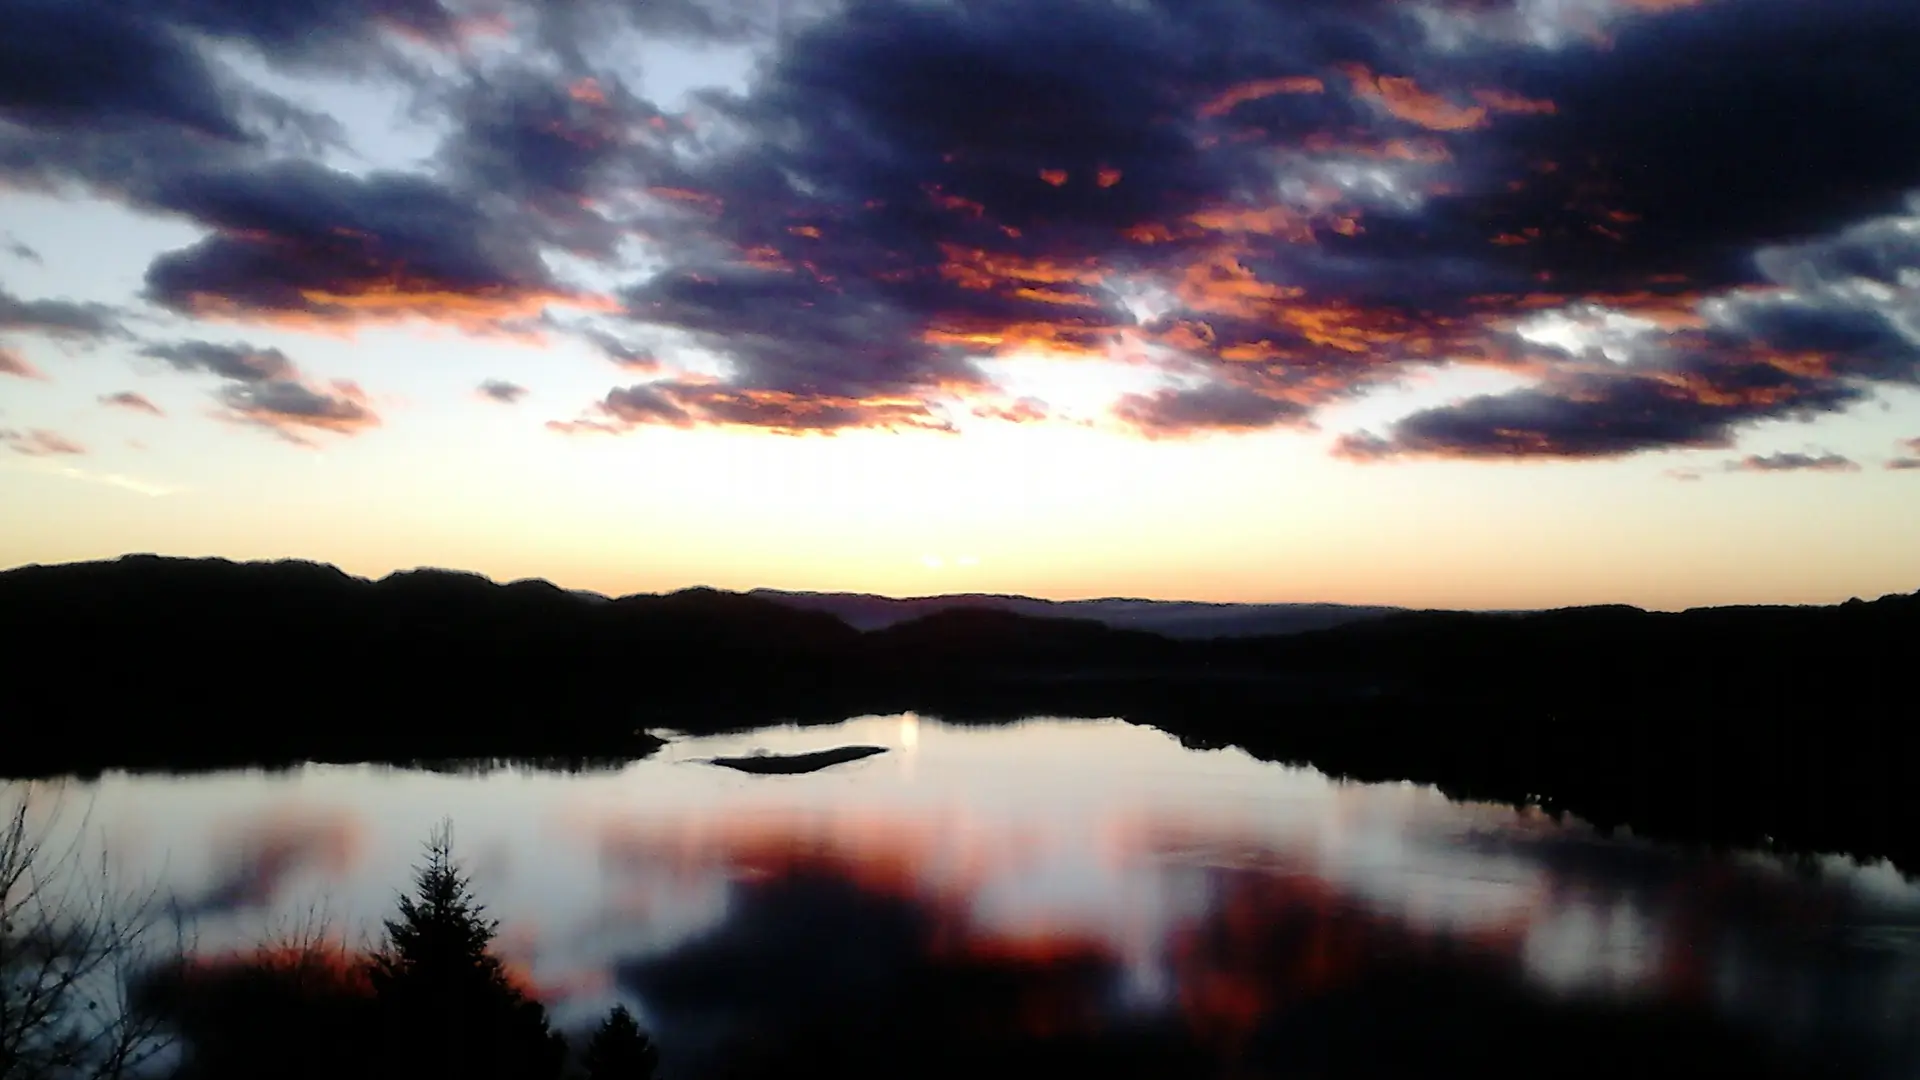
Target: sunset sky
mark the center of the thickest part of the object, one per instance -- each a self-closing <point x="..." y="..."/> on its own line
<point x="1471" y="303"/>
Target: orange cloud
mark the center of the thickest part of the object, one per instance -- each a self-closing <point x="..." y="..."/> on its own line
<point x="1023" y="411"/>
<point x="1109" y="177"/>
<point x="1235" y="96"/>
<point x="976" y="268"/>
<point x="1403" y="99"/>
<point x="1056" y="177"/>
<point x="708" y="203"/>
<point x="1064" y="336"/>
<point x="688" y="403"/>
<point x="1218" y="283"/>
<point x="955" y="203"/>
<point x="1276" y="221"/>
<point x="1502" y="101"/>
<point x="588" y="91"/>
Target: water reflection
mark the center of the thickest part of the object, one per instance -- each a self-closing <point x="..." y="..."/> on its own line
<point x="1068" y="895"/>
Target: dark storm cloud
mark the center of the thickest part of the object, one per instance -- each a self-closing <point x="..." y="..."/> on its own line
<point x="312" y="30"/>
<point x="912" y="184"/>
<point x="57" y="318"/>
<point x="1684" y="397"/>
<point x="1791" y="462"/>
<point x="116" y="99"/>
<point x="1318" y="196"/>
<point x="499" y="390"/>
<point x="712" y="20"/>
<point x="559" y="148"/>
<point x="304" y="243"/>
<point x="1812" y="344"/>
<point x="1321" y="189"/>
<point x="113" y="96"/>
<point x="1708" y="131"/>
<point x="75" y="64"/>
<point x="39" y="442"/>
<point x="128" y="399"/>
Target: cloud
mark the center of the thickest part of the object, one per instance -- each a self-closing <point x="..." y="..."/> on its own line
<point x="20" y="250"/>
<point x="46" y="467"/>
<point x="127" y="399"/>
<point x="686" y="404"/>
<point x="332" y="33"/>
<point x="115" y="97"/>
<point x="307" y="246"/>
<point x="259" y="862"/>
<point x="292" y="409"/>
<point x="562" y="150"/>
<point x="1321" y="210"/>
<point x="1214" y="407"/>
<point x="139" y="70"/>
<point x="241" y="363"/>
<point x="1825" y="328"/>
<point x="12" y="363"/>
<point x="1910" y="458"/>
<point x="57" y="318"/>
<point x="505" y="393"/>
<point x="1278" y="206"/>
<point x="623" y="354"/>
<point x="40" y="442"/>
<point x="1790" y="462"/>
<point x="265" y="389"/>
<point x="1026" y="410"/>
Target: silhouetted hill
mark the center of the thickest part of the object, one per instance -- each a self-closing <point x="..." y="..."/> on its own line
<point x="1750" y="725"/>
<point x="1169" y="618"/>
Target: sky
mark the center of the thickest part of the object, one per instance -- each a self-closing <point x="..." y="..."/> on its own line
<point x="1463" y="303"/>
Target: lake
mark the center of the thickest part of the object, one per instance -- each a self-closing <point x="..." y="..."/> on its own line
<point x="1083" y="880"/>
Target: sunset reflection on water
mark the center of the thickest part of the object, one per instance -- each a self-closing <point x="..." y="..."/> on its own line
<point x="1052" y="880"/>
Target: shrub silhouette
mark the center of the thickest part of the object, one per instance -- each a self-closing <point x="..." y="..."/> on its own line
<point x="446" y="1005"/>
<point x="619" y="1050"/>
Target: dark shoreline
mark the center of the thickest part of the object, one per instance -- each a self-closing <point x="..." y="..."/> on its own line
<point x="1783" y="729"/>
<point x="796" y="764"/>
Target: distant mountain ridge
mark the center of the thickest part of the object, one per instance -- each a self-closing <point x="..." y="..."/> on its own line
<point x="1789" y="726"/>
<point x="1183" y="619"/>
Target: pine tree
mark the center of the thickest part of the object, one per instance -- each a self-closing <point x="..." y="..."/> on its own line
<point x="442" y="934"/>
<point x="619" y="1050"/>
<point x="448" y="1006"/>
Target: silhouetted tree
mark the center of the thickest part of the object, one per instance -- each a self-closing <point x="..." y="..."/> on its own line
<point x="619" y="1050"/>
<point x="71" y="942"/>
<point x="447" y="1004"/>
<point x="298" y="1007"/>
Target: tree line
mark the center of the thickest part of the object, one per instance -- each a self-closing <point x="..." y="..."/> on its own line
<point x="93" y="986"/>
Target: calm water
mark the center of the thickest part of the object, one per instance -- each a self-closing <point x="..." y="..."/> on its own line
<point x="1203" y="890"/>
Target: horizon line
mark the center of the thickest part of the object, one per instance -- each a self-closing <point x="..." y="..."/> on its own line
<point x="768" y="589"/>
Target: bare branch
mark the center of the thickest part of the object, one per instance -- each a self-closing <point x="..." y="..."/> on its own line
<point x="71" y="940"/>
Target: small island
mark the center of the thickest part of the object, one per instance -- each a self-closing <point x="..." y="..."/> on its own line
<point x="793" y="764"/>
